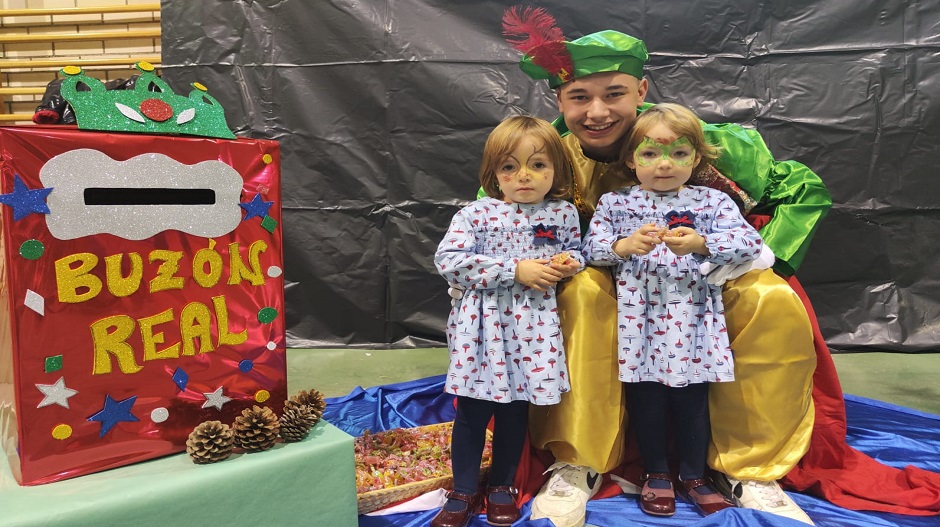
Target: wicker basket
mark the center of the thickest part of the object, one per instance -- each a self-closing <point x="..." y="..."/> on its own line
<point x="379" y="499"/>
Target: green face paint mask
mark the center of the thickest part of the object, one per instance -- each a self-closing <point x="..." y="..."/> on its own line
<point x="679" y="152"/>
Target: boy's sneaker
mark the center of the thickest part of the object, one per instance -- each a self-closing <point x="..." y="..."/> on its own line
<point x="563" y="499"/>
<point x="764" y="496"/>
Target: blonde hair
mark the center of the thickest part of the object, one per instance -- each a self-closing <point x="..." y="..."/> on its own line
<point x="680" y="120"/>
<point x="504" y="139"/>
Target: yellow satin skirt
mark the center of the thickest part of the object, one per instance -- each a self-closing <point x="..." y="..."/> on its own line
<point x="761" y="423"/>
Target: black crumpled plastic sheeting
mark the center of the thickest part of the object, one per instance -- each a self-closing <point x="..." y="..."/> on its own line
<point x="381" y="110"/>
<point x="54" y="109"/>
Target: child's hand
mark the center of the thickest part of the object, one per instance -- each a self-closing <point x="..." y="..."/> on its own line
<point x="683" y="240"/>
<point x="640" y="242"/>
<point x="537" y="274"/>
<point x="564" y="263"/>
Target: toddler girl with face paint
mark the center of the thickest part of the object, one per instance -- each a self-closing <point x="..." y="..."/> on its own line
<point x="507" y="251"/>
<point x="672" y="335"/>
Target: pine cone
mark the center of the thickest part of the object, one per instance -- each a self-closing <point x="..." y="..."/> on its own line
<point x="311" y="398"/>
<point x="256" y="429"/>
<point x="209" y="442"/>
<point x="297" y="422"/>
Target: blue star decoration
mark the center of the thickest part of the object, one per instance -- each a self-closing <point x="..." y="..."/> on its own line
<point x="25" y="201"/>
<point x="113" y="413"/>
<point x="256" y="208"/>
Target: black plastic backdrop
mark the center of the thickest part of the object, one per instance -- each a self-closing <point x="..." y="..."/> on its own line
<point x="381" y="109"/>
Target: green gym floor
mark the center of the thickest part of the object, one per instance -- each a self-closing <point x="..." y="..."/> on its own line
<point x="911" y="380"/>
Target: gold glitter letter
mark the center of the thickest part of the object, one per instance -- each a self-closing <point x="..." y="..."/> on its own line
<point x="196" y="323"/>
<point x="69" y="280"/>
<point x="221" y="316"/>
<point x="166" y="278"/>
<point x="113" y="343"/>
<point x="118" y="284"/>
<point x="151" y="339"/>
<point x="214" y="259"/>
<point x="239" y="271"/>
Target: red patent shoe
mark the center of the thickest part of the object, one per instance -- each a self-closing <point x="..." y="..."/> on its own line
<point x="658" y="502"/>
<point x="502" y="514"/>
<point x="459" y="518"/>
<point x="706" y="503"/>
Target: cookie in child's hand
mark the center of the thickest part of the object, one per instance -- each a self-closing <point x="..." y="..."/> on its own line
<point x="663" y="231"/>
<point x="561" y="258"/>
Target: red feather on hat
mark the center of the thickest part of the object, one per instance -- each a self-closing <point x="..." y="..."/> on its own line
<point x="534" y="33"/>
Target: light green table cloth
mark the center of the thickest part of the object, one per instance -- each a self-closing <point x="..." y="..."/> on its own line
<point x="312" y="482"/>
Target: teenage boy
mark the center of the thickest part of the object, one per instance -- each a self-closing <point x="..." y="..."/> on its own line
<point x="762" y="423"/>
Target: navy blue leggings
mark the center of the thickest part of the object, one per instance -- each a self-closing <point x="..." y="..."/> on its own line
<point x="650" y="404"/>
<point x="509" y="428"/>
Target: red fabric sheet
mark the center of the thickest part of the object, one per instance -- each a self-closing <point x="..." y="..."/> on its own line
<point x="833" y="470"/>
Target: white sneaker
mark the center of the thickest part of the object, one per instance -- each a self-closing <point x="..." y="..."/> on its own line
<point x="766" y="496"/>
<point x="563" y="499"/>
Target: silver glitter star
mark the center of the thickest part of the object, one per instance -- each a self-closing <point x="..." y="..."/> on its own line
<point x="215" y="399"/>
<point x="55" y="393"/>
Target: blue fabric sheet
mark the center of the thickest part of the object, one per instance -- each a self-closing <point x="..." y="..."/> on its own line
<point x="893" y="435"/>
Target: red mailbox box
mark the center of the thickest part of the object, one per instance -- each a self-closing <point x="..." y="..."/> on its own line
<point x="141" y="293"/>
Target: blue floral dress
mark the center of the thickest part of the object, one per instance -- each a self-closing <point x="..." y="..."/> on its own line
<point x="671" y="321"/>
<point x="504" y="339"/>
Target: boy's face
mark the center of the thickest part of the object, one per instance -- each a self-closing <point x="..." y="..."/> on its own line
<point x="599" y="110"/>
